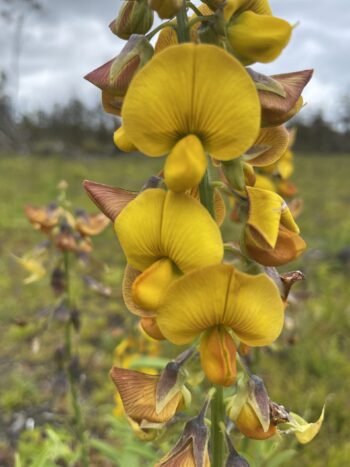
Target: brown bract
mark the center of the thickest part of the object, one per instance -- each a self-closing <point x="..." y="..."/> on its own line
<point x="138" y="393"/>
<point x="110" y="200"/>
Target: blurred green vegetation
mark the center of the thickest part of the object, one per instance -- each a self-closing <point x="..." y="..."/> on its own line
<point x="312" y="368"/>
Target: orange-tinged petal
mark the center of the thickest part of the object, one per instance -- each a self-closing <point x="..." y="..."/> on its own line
<point x="138" y="393"/>
<point x="151" y="328"/>
<point x="192" y="89"/>
<point x="250" y="305"/>
<point x="289" y="246"/>
<point x="248" y="423"/>
<point x="218" y="356"/>
<point x="185" y="165"/>
<point x="159" y="224"/>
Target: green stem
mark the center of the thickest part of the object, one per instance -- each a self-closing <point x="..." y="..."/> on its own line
<point x="194" y="8"/>
<point x="182" y="30"/>
<point x="74" y="395"/>
<point x="206" y="194"/>
<point x="217" y="438"/>
<point x="167" y="24"/>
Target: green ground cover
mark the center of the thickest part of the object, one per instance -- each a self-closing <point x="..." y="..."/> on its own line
<point x="311" y="368"/>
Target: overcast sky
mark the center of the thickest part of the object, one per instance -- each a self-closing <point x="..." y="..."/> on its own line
<point x="71" y="37"/>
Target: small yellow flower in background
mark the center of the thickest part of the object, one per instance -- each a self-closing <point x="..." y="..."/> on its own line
<point x="164" y="235"/>
<point x="33" y="265"/>
<point x="221" y="297"/>
<point x="271" y="234"/>
<point x="201" y="100"/>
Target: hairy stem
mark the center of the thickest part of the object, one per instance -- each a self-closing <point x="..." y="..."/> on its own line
<point x="73" y="389"/>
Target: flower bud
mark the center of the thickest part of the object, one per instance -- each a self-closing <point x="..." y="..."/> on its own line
<point x="279" y="107"/>
<point x="218" y="356"/>
<point x="192" y="447"/>
<point x="135" y="17"/>
<point x="249" y="424"/>
<point x="114" y="77"/>
<point x="165" y="8"/>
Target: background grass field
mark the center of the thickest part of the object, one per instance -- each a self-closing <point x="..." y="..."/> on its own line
<point x="301" y="375"/>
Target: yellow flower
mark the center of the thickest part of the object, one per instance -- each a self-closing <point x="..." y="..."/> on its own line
<point x="303" y="430"/>
<point x="221" y="296"/>
<point x="258" y="38"/>
<point x="201" y="100"/>
<point x="164" y="235"/>
<point x="271" y="234"/>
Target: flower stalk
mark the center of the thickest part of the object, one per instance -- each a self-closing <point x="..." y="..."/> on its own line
<point x="73" y="389"/>
<point x="217" y="440"/>
<point x="182" y="30"/>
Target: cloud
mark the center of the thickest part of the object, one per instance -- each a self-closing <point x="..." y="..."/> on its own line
<point x="70" y="38"/>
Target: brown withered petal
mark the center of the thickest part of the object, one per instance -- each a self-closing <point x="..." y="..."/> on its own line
<point x="110" y="200"/>
<point x="92" y="224"/>
<point x="138" y="393"/>
<point x="277" y="109"/>
<point x="130" y="274"/>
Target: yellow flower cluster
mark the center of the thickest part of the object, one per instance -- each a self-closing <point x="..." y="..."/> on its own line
<point x="195" y="103"/>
